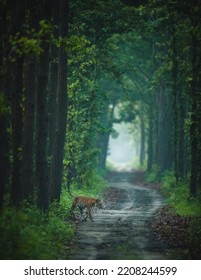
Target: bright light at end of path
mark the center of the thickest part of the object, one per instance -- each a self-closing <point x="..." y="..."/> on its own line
<point x="121" y="152"/>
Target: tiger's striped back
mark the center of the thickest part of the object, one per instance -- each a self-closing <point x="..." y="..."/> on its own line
<point x="83" y="202"/>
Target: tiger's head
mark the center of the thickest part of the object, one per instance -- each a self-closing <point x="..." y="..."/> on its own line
<point x="99" y="204"/>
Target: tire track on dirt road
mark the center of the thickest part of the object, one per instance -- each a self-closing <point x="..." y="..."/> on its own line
<point x="122" y="230"/>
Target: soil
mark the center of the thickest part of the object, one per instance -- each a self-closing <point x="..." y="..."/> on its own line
<point x="122" y="229"/>
<point x="180" y="233"/>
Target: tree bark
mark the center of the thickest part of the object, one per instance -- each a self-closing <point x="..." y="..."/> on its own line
<point x="29" y="128"/>
<point x="42" y="118"/>
<point x="164" y="143"/>
<point x="142" y="138"/>
<point x="16" y="69"/>
<point x="194" y="128"/>
<point x="182" y="155"/>
<point x="61" y="114"/>
<point x="41" y="136"/>
<point x="150" y="140"/>
<point x="16" y="108"/>
<point x="52" y="101"/>
<point x="4" y="115"/>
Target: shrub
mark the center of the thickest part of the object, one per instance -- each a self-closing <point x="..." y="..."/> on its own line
<point x="30" y="234"/>
<point x="178" y="196"/>
<point x="95" y="186"/>
<point x="153" y="176"/>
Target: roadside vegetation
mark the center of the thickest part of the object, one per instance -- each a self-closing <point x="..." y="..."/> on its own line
<point x="178" y="224"/>
<point x="178" y="198"/>
<point x="29" y="233"/>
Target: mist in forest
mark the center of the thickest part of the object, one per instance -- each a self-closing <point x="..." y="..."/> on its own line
<point x="122" y="151"/>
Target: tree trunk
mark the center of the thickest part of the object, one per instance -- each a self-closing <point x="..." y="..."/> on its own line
<point x="4" y="115"/>
<point x="52" y="101"/>
<point x="142" y="138"/>
<point x="30" y="84"/>
<point x="150" y="140"/>
<point x="41" y="137"/>
<point x="61" y="114"/>
<point x="16" y="191"/>
<point x="182" y="155"/>
<point x="29" y="128"/>
<point x="195" y="128"/>
<point x="16" y="107"/>
<point x="42" y="117"/>
<point x="195" y="115"/>
<point x="4" y="156"/>
<point x="164" y="143"/>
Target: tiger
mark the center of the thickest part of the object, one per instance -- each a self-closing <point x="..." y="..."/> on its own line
<point x="86" y="202"/>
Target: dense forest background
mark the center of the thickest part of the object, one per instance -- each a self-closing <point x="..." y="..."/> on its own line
<point x="65" y="66"/>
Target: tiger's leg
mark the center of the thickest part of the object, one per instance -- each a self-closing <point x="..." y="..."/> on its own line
<point x="89" y="214"/>
<point x="81" y="209"/>
<point x="72" y="209"/>
<point x="74" y="204"/>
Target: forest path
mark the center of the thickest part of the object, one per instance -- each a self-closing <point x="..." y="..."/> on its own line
<point x="121" y="229"/>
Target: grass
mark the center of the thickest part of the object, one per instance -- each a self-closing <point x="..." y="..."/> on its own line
<point x="30" y="234"/>
<point x="153" y="176"/>
<point x="180" y="225"/>
<point x="94" y="188"/>
<point x="27" y="233"/>
<point x="178" y="196"/>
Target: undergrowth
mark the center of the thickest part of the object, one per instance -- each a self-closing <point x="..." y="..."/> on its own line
<point x="153" y="176"/>
<point x="178" y="196"/>
<point x="94" y="187"/>
<point x="28" y="233"/>
<point x="178" y="224"/>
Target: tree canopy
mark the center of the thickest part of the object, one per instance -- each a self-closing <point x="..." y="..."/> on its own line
<point x="64" y="68"/>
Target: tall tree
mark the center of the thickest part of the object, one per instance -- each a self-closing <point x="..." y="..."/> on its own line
<point x="30" y="81"/>
<point x="164" y="131"/>
<point x="4" y="108"/>
<point x="27" y="179"/>
<point x="142" y="136"/>
<point x="16" y="108"/>
<point x="52" y="100"/>
<point x="42" y="116"/>
<point x="61" y="106"/>
<point x="195" y="134"/>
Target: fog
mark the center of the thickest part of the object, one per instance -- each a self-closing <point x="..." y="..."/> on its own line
<point x="121" y="152"/>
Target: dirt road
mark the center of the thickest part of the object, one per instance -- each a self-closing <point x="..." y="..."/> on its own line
<point x="121" y="230"/>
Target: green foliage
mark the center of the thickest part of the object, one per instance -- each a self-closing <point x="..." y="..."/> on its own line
<point x="94" y="188"/>
<point x="82" y="55"/>
<point x="168" y="182"/>
<point x="178" y="196"/>
<point x="96" y="184"/>
<point x="84" y="111"/>
<point x="23" y="45"/>
<point x="96" y="19"/>
<point x="30" y="234"/>
<point x="153" y="175"/>
<point x="31" y="41"/>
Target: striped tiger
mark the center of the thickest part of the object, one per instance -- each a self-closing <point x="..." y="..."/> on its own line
<point x="83" y="202"/>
